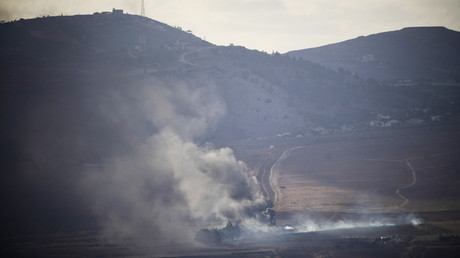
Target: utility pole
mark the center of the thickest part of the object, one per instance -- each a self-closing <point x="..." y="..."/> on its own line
<point x="142" y="9"/>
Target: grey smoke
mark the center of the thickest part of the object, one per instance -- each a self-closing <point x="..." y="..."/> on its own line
<point x="170" y="181"/>
<point x="310" y="225"/>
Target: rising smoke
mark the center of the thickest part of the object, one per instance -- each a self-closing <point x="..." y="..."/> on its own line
<point x="170" y="179"/>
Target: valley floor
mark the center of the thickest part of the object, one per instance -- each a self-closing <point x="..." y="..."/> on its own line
<point x="315" y="183"/>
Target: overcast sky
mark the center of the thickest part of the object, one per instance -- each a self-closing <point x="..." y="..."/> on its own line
<point x="270" y="25"/>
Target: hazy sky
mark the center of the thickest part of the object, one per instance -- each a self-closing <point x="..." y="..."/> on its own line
<point x="270" y="25"/>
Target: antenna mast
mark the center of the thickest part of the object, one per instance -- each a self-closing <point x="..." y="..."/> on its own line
<point x="142" y="9"/>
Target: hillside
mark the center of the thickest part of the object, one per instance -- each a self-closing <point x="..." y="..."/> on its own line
<point x="79" y="92"/>
<point x="263" y="94"/>
<point x="428" y="54"/>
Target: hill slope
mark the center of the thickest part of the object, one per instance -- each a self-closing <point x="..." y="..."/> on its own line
<point x="263" y="94"/>
<point x="82" y="91"/>
<point x="430" y="53"/>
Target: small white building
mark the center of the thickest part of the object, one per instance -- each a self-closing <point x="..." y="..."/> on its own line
<point x="435" y="118"/>
<point x="415" y="121"/>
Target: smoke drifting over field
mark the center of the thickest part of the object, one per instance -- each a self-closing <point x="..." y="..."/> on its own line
<point x="168" y="180"/>
<point x="312" y="226"/>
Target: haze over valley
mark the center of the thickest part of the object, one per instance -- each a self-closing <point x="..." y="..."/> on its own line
<point x="127" y="136"/>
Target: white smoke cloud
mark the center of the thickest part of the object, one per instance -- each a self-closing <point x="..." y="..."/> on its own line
<point x="311" y="226"/>
<point x="308" y="225"/>
<point x="168" y="180"/>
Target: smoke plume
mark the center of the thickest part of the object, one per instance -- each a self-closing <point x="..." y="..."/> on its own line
<point x="169" y="180"/>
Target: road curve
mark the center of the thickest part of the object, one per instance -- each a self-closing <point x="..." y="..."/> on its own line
<point x="263" y="176"/>
<point x="274" y="172"/>
<point x="183" y="57"/>
<point x="414" y="181"/>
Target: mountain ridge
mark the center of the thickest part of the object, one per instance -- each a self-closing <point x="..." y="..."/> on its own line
<point x="84" y="48"/>
<point x="412" y="53"/>
<point x="78" y="91"/>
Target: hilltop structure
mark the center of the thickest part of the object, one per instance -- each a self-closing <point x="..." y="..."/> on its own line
<point x="117" y="11"/>
<point x="142" y="9"/>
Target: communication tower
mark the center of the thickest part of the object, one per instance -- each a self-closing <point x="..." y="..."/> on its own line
<point x="142" y="9"/>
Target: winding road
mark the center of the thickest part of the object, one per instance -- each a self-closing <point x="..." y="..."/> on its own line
<point x="183" y="57"/>
<point x="414" y="176"/>
<point x="270" y="169"/>
<point x="414" y="181"/>
<point x="264" y="178"/>
<point x="275" y="171"/>
<point x="268" y="173"/>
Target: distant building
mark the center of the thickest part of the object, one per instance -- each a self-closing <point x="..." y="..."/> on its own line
<point x="415" y="121"/>
<point x="379" y="123"/>
<point x="435" y="118"/>
<point x="368" y="58"/>
<point x="117" y="11"/>
<point x="382" y="116"/>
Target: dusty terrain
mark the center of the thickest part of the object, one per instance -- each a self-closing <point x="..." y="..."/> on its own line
<point x="397" y="170"/>
<point x="367" y="176"/>
<point x="403" y="173"/>
<point x="351" y="178"/>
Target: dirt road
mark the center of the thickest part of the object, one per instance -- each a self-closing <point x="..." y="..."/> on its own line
<point x="183" y="58"/>
<point x="414" y="181"/>
<point x="264" y="179"/>
<point x="268" y="175"/>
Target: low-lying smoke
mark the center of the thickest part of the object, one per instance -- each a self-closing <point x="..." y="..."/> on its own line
<point x="169" y="180"/>
<point x="311" y="225"/>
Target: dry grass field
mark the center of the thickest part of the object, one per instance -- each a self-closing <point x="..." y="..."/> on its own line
<point x="364" y="174"/>
<point x="330" y="179"/>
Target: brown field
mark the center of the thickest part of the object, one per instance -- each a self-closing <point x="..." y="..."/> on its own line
<point x="335" y="178"/>
<point x="356" y="177"/>
<point x="363" y="175"/>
